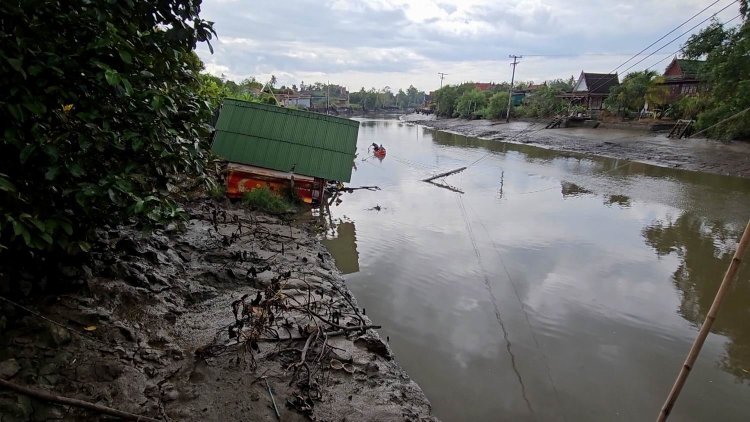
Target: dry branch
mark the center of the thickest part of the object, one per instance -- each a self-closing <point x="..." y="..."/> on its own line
<point x="46" y="396"/>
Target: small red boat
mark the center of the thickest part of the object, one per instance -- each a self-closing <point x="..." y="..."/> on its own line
<point x="380" y="152"/>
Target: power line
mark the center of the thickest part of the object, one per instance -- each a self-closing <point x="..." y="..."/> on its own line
<point x="665" y="35"/>
<point x="578" y="55"/>
<point x="683" y="48"/>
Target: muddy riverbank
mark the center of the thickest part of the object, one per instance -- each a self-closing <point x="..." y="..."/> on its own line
<point x="726" y="158"/>
<point x="197" y="323"/>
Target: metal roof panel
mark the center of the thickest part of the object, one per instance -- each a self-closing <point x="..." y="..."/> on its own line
<point x="278" y="138"/>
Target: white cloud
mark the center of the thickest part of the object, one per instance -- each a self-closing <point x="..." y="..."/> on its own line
<point x="402" y="42"/>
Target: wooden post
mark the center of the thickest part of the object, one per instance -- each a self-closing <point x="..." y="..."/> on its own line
<point x="706" y="327"/>
<point x="447" y="173"/>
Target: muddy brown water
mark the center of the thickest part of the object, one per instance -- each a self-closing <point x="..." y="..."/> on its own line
<point x="556" y="287"/>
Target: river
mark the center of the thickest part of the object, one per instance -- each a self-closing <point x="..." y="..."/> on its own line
<point x="555" y="287"/>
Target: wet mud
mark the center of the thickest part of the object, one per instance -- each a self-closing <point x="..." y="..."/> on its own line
<point x="704" y="155"/>
<point x="199" y="323"/>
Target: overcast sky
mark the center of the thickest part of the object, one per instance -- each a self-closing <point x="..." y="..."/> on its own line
<point x="377" y="43"/>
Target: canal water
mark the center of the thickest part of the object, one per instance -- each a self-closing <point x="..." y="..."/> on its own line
<point x="544" y="286"/>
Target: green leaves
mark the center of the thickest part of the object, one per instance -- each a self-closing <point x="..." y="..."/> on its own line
<point x="99" y="109"/>
<point x="113" y="78"/>
<point x="125" y="56"/>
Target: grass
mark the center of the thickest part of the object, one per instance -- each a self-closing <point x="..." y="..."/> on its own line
<point x="264" y="199"/>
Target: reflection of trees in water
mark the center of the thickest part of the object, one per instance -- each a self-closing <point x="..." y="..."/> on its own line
<point x="622" y="200"/>
<point x="571" y="189"/>
<point x="705" y="250"/>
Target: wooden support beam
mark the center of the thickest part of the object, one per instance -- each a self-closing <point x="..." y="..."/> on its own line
<point x="446" y="187"/>
<point x="447" y="173"/>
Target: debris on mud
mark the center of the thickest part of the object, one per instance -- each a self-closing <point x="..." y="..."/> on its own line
<point x="237" y="317"/>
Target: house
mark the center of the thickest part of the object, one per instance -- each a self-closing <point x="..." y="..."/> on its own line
<point x="682" y="76"/>
<point x="535" y="87"/>
<point x="294" y="99"/>
<point x="592" y="89"/>
<point x="484" y="86"/>
<point x="283" y="148"/>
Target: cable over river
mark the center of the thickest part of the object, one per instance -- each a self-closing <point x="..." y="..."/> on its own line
<point x="545" y="286"/>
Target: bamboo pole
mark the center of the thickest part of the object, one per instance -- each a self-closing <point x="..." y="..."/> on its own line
<point x="43" y="395"/>
<point x="706" y="327"/>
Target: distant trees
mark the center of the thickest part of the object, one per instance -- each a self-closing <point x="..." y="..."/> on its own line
<point x="497" y="105"/>
<point x="467" y="101"/>
<point x="545" y="101"/>
<point x="471" y="104"/>
<point x="385" y="98"/>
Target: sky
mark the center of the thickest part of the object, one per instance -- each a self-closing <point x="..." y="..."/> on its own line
<point x="397" y="43"/>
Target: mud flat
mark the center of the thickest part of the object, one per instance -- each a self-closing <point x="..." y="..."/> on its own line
<point x="197" y="323"/>
<point x="726" y="158"/>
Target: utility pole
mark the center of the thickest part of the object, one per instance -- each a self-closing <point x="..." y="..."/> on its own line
<point x="510" y="91"/>
<point x="328" y="94"/>
<point x="437" y="112"/>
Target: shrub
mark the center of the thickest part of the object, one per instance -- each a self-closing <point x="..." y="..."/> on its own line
<point x="471" y="104"/>
<point x="497" y="106"/>
<point x="264" y="199"/>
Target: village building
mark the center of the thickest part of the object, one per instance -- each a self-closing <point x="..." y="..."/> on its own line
<point x="591" y="90"/>
<point x="682" y="76"/>
<point x="294" y="99"/>
<point x="485" y="86"/>
<point x="283" y="149"/>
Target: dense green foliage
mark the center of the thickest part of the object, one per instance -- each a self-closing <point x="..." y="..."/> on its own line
<point x="727" y="73"/>
<point x="446" y="98"/>
<point x="101" y="115"/>
<point x="637" y="89"/>
<point x="374" y="99"/>
<point x="545" y="101"/>
<point x="467" y="102"/>
<point x="471" y="104"/>
<point x="216" y="89"/>
<point x="497" y="106"/>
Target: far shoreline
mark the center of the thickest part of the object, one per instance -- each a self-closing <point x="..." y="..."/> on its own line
<point x="629" y="142"/>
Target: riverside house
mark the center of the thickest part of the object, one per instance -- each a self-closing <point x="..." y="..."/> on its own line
<point x="591" y="90"/>
<point x="682" y="76"/>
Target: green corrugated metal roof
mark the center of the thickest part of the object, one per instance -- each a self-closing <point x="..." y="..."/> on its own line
<point x="278" y="138"/>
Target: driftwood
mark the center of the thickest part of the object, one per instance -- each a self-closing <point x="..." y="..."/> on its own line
<point x="451" y="188"/>
<point x="46" y="396"/>
<point x="350" y="190"/>
<point x="447" y="173"/>
<point x="342" y="331"/>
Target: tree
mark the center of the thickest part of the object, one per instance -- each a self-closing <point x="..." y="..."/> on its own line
<point x="402" y="100"/>
<point x="471" y="104"/>
<point x="413" y="96"/>
<point x="102" y="115"/>
<point x="630" y="95"/>
<point x="727" y="74"/>
<point x="545" y="101"/>
<point x="447" y="97"/>
<point x="497" y="105"/>
<point x="273" y="81"/>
